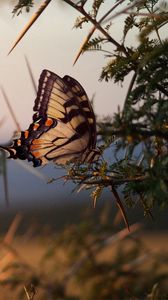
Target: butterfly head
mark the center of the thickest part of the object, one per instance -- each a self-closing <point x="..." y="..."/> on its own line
<point x="22" y="152"/>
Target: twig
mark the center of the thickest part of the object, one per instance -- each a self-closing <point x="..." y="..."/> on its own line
<point x="31" y="75"/>
<point x="11" y="110"/>
<point x="129" y="90"/>
<point x="30" y="292"/>
<point x="114" y="181"/>
<point x="149" y="15"/>
<point x="136" y="131"/>
<point x="125" y="10"/>
<point x="156" y="29"/>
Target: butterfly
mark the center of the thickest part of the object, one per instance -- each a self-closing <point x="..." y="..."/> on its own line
<point x="63" y="128"/>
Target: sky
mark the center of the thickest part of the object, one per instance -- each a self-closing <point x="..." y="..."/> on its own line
<point x="52" y="44"/>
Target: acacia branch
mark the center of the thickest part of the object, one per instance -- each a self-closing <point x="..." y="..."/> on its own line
<point x="161" y="89"/>
<point x="94" y="28"/>
<point x="133" y="130"/>
<point x="110" y="181"/>
<point x="97" y="26"/>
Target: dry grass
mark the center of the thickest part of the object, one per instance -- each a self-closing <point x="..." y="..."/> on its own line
<point x="55" y="266"/>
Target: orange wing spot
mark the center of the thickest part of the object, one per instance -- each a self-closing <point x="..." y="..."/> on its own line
<point x="36" y="153"/>
<point x="26" y="134"/>
<point x="32" y="147"/>
<point x="19" y="142"/>
<point x="48" y="122"/>
<point x="35" y="127"/>
<point x="37" y="141"/>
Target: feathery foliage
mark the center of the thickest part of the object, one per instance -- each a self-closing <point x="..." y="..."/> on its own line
<point x="27" y="4"/>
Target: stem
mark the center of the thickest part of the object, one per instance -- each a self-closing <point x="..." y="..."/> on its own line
<point x="11" y="110"/>
<point x="161" y="89"/>
<point x="135" y="131"/>
<point x="31" y="75"/>
<point x="125" y="10"/>
<point x="156" y="29"/>
<point x="129" y="90"/>
<point x="110" y="10"/>
<point x="111" y="181"/>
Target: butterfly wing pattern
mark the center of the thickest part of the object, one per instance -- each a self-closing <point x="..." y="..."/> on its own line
<point x="63" y="128"/>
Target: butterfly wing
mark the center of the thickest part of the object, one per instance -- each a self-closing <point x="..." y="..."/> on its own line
<point x="63" y="100"/>
<point x="85" y="105"/>
<point x="64" y="124"/>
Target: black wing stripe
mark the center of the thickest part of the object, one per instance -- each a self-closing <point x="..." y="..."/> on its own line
<point x="85" y="106"/>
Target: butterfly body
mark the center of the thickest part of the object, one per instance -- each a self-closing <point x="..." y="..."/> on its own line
<point x="63" y="128"/>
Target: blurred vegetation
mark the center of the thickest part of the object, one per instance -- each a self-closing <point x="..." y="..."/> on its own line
<point x="86" y="260"/>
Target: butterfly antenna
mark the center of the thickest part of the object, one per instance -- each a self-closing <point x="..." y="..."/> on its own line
<point x="31" y="74"/>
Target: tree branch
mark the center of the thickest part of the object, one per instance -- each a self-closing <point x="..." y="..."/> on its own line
<point x="111" y="181"/>
<point x="94" y="28"/>
<point x="134" y="131"/>
<point x="97" y="26"/>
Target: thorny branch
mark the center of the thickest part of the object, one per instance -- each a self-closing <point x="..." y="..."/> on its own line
<point x="97" y="26"/>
